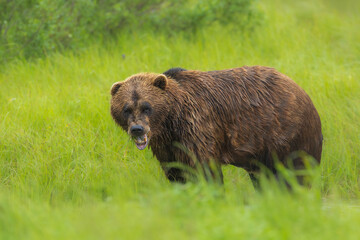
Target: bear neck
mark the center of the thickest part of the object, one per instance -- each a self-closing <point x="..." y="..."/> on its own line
<point x="178" y="99"/>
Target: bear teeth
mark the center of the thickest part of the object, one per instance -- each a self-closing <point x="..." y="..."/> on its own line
<point x="141" y="142"/>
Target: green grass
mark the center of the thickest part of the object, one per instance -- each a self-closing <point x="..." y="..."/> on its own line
<point x="67" y="172"/>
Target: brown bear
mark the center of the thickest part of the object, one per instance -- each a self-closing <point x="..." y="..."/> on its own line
<point x="247" y="117"/>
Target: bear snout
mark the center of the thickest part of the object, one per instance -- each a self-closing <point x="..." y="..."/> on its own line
<point x="137" y="130"/>
<point x="140" y="135"/>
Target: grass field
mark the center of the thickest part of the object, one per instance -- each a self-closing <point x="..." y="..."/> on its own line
<point x="68" y="172"/>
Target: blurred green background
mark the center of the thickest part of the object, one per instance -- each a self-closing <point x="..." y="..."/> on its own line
<point x="33" y="28"/>
<point x="68" y="172"/>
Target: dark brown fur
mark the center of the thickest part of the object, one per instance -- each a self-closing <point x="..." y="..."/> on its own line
<point x="241" y="116"/>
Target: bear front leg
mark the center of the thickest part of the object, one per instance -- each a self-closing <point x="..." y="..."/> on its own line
<point x="174" y="174"/>
<point x="211" y="174"/>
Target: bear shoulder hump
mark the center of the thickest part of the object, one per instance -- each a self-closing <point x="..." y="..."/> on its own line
<point x="173" y="72"/>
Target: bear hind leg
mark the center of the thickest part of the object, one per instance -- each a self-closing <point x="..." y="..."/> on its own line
<point x="255" y="180"/>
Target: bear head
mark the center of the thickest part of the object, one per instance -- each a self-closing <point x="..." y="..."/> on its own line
<point x="140" y="106"/>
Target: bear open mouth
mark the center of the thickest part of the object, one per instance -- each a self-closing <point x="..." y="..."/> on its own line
<point x="141" y="142"/>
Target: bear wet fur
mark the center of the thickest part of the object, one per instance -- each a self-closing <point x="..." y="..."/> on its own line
<point x="244" y="116"/>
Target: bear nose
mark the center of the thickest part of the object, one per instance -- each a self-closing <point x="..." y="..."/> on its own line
<point x="137" y="130"/>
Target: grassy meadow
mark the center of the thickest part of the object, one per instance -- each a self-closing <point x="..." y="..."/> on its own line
<point x="68" y="172"/>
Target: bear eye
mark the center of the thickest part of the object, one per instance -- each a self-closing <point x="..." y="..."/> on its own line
<point x="146" y="108"/>
<point x="127" y="111"/>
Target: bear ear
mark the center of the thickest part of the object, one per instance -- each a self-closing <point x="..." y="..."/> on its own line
<point x="160" y="81"/>
<point x="115" y="87"/>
